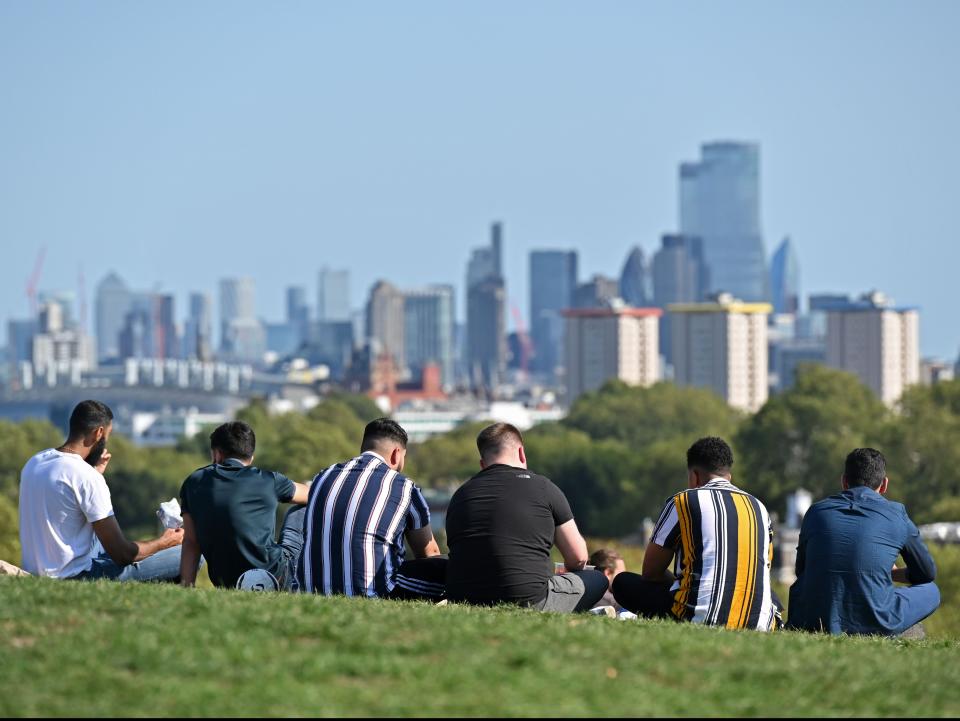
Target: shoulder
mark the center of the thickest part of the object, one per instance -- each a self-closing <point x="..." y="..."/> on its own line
<point x="198" y="475"/>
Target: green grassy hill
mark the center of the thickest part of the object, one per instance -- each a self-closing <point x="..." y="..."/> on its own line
<point x="72" y="649"/>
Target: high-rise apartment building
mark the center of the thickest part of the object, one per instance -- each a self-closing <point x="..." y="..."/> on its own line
<point x="722" y="346"/>
<point x="428" y="330"/>
<point x="553" y="280"/>
<point x="679" y="276"/>
<point x="385" y="324"/>
<point x="616" y="342"/>
<point x="486" y="314"/>
<point x="877" y="342"/>
<point x="635" y="280"/>
<point x="333" y="295"/>
<point x="785" y="279"/>
<point x="720" y="203"/>
<point x="114" y="301"/>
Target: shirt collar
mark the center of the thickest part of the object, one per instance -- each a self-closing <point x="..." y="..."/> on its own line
<point x="375" y="455"/>
<point x="718" y="481"/>
<point x="233" y="462"/>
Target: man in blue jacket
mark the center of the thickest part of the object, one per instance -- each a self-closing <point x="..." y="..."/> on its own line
<point x="848" y="545"/>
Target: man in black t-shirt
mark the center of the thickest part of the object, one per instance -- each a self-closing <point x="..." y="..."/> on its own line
<point x="501" y="525"/>
<point x="230" y="514"/>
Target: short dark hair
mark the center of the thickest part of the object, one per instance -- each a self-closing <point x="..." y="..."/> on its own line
<point x="380" y="430"/>
<point x="605" y="559"/>
<point x="492" y="439"/>
<point x="235" y="440"/>
<point x="865" y="467"/>
<point x="87" y="417"/>
<point x="710" y="454"/>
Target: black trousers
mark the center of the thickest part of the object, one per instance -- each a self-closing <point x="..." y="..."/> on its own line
<point x="650" y="599"/>
<point x="421" y="579"/>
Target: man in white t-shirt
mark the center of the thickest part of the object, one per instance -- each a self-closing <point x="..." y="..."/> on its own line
<point x="67" y="526"/>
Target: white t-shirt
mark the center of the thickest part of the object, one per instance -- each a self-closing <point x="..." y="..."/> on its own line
<point x="61" y="495"/>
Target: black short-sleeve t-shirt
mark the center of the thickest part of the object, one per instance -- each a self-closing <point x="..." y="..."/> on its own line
<point x="234" y="512"/>
<point x="500" y="528"/>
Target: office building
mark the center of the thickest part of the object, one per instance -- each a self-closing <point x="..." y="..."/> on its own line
<point x="242" y="336"/>
<point x="598" y="292"/>
<point x="149" y="329"/>
<point x="486" y="348"/>
<point x="59" y="350"/>
<point x="428" y="330"/>
<point x="198" y="329"/>
<point x="635" y="281"/>
<point x="877" y="342"/>
<point x="553" y="281"/>
<point x="333" y="295"/>
<point x="114" y="301"/>
<point x="386" y="322"/>
<point x="785" y="279"/>
<point x="720" y="203"/>
<point x="722" y="346"/>
<point x="616" y="342"/>
<point x="680" y="275"/>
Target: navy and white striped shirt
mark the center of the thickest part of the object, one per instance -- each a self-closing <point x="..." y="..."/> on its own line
<point x="356" y="516"/>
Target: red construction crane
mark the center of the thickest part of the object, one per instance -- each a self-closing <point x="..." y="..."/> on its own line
<point x="34" y="280"/>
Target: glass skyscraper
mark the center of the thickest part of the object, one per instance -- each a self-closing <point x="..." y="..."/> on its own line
<point x="720" y="203"/>
<point x="785" y="279"/>
<point x="553" y="280"/>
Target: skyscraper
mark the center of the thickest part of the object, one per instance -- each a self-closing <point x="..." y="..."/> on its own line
<point x="428" y="325"/>
<point x="553" y="280"/>
<point x="785" y="279"/>
<point x="149" y="329"/>
<point x="679" y="276"/>
<point x="333" y="296"/>
<point x="198" y="330"/>
<point x="385" y="321"/>
<point x="486" y="320"/>
<point x="720" y="203"/>
<point x="242" y="336"/>
<point x="113" y="301"/>
<point x="635" y="280"/>
<point x="598" y="292"/>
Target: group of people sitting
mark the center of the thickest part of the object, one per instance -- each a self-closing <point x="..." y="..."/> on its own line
<point x="708" y="560"/>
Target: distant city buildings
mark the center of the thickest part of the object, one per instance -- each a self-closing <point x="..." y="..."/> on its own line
<point x="429" y="329"/>
<point x="242" y="336"/>
<point x="635" y="280"/>
<point x="114" y="301"/>
<point x="877" y="342"/>
<point x="386" y="322"/>
<point x="553" y="282"/>
<point x="785" y="279"/>
<point x="680" y="275"/>
<point x="486" y="347"/>
<point x="333" y="295"/>
<point x="722" y="346"/>
<point x="616" y="342"/>
<point x="720" y="203"/>
<point x="598" y="292"/>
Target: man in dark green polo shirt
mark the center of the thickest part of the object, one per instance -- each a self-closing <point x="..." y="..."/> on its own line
<point x="230" y="514"/>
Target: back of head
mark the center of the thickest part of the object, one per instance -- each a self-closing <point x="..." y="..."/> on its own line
<point x="865" y="467"/>
<point x="234" y="440"/>
<point x="383" y="433"/>
<point x="87" y="417"/>
<point x="605" y="559"/>
<point x="710" y="455"/>
<point x="497" y="440"/>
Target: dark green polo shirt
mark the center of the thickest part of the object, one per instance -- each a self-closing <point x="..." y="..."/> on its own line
<point x="234" y="512"/>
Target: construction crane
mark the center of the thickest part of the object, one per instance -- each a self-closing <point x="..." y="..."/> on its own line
<point x="34" y="280"/>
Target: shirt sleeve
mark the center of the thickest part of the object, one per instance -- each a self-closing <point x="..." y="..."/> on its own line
<point x="93" y="496"/>
<point x="418" y="513"/>
<point x="920" y="565"/>
<point x="559" y="504"/>
<point x="184" y="503"/>
<point x="666" y="533"/>
<point x="284" y="487"/>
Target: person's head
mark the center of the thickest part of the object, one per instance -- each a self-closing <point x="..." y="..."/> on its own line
<point x="609" y="562"/>
<point x="387" y="439"/>
<point x="708" y="458"/>
<point x="501" y="443"/>
<point x="233" y="440"/>
<point x="865" y="467"/>
<point x="91" y="424"/>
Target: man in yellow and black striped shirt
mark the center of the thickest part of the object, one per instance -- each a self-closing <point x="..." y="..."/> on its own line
<point x="720" y="541"/>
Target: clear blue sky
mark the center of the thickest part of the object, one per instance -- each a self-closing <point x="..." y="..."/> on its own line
<point x="181" y="142"/>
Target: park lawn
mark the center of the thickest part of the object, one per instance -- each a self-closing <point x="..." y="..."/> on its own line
<point x="101" y="649"/>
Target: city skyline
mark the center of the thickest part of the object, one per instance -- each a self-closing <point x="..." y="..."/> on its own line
<point x="221" y="162"/>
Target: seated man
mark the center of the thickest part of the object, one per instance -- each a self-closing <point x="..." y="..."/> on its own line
<point x="611" y="564"/>
<point x="67" y="526"/>
<point x="848" y="545"/>
<point x="501" y="525"/>
<point x="721" y="543"/>
<point x="358" y="515"/>
<point x="230" y="514"/>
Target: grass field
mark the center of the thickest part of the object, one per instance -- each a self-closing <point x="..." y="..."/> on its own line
<point x="106" y="650"/>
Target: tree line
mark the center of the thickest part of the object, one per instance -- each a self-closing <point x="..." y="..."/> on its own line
<point x="618" y="454"/>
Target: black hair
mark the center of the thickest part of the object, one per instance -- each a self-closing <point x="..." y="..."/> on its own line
<point x="380" y="430"/>
<point x="87" y="417"/>
<point x="710" y="454"/>
<point x="235" y="440"/>
<point x="495" y="438"/>
<point x="865" y="467"/>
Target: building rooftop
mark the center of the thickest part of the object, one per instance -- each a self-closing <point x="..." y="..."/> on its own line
<point x="610" y="312"/>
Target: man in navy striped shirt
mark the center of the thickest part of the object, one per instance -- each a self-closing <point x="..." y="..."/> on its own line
<point x="358" y="514"/>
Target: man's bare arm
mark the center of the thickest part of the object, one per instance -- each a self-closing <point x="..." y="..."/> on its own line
<point x="422" y="542"/>
<point x="124" y="551"/>
<point x="190" y="553"/>
<point x="571" y="545"/>
<point x="656" y="562"/>
<point x="301" y="492"/>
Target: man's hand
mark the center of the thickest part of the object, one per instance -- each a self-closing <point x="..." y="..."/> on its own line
<point x="104" y="460"/>
<point x="171" y="537"/>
